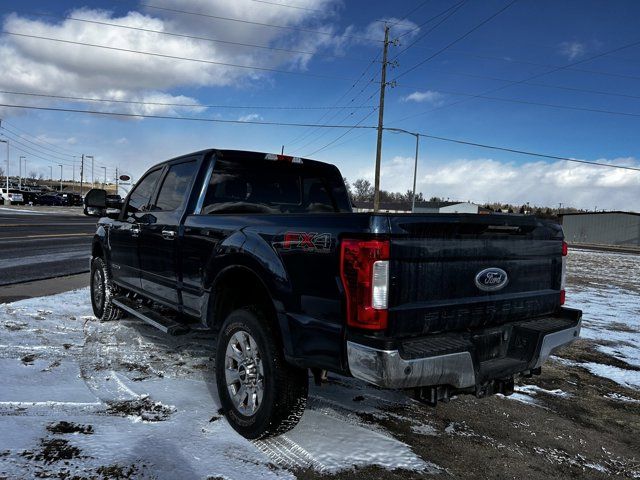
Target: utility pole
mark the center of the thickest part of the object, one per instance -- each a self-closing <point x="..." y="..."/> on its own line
<point x="104" y="184"/>
<point x="7" y="172"/>
<point x="383" y="84"/>
<point x="60" y="177"/>
<point x="50" y="173"/>
<point x="81" y="173"/>
<point x="117" y="178"/>
<point x="74" y="177"/>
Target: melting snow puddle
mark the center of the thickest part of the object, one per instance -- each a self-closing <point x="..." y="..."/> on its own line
<point x="149" y="406"/>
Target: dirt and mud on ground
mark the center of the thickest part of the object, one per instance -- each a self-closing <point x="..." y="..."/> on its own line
<point x="82" y="399"/>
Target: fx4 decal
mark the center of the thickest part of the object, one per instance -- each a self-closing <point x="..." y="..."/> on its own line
<point x="307" y="241"/>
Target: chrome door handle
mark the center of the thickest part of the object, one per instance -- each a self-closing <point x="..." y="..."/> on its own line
<point x="169" y="234"/>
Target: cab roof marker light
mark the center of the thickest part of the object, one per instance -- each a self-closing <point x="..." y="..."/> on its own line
<point x="282" y="158"/>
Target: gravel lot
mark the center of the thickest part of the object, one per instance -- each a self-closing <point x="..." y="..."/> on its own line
<point x="82" y="399"/>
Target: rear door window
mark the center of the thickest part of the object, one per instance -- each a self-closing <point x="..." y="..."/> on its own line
<point x="174" y="187"/>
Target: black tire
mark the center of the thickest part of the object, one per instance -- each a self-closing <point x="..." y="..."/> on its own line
<point x="103" y="291"/>
<point x="285" y="387"/>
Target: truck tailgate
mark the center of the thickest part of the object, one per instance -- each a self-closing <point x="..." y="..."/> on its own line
<point x="435" y="261"/>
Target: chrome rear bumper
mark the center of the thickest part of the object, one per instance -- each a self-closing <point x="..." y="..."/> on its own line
<point x="387" y="369"/>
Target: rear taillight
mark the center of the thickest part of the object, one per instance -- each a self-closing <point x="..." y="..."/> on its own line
<point x="364" y="270"/>
<point x="563" y="277"/>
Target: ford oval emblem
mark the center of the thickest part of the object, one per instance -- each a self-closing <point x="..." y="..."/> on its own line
<point x="491" y="279"/>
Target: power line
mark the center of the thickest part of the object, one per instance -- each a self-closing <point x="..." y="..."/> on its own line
<point x="61" y="150"/>
<point x="288" y="6"/>
<point x="192" y="37"/>
<point x="343" y="134"/>
<point x="537" y="64"/>
<point x="534" y="84"/>
<point x="21" y="134"/>
<point x="285" y="27"/>
<point x="172" y="117"/>
<point x="342" y="97"/>
<point x="344" y="118"/>
<point x="448" y="12"/>
<point x="460" y="38"/>
<point x="175" y="57"/>
<point x="532" y="77"/>
<point x="30" y="151"/>
<point x="523" y="152"/>
<point x="528" y="102"/>
<point x="133" y="102"/>
<point x="40" y="149"/>
<point x="306" y="125"/>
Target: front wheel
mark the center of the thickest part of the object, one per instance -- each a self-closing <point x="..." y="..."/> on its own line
<point x="102" y="292"/>
<point x="261" y="394"/>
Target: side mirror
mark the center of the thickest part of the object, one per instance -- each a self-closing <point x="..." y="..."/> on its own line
<point x="95" y="202"/>
<point x="96" y="197"/>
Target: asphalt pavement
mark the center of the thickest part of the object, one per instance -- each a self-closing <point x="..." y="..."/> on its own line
<point x="38" y="244"/>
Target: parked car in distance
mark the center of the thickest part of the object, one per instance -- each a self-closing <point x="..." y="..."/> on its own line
<point x="265" y="250"/>
<point x="114" y="201"/>
<point x="12" y="196"/>
<point x="29" y="196"/>
<point x="51" y="199"/>
<point x="72" y="199"/>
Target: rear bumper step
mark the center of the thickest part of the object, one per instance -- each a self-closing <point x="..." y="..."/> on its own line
<point x="463" y="361"/>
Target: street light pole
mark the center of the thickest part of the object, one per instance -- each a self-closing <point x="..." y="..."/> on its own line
<point x="415" y="174"/>
<point x="60" y="177"/>
<point x="20" y="171"/>
<point x="415" y="164"/>
<point x="50" y="173"/>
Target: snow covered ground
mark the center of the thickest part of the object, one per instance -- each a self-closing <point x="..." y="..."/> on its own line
<point x="606" y="287"/>
<point x="81" y="396"/>
<point x="122" y="400"/>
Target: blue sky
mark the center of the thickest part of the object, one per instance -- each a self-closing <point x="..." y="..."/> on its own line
<point x="527" y="39"/>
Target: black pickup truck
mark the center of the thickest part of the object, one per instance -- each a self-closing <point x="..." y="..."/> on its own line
<point x="266" y="250"/>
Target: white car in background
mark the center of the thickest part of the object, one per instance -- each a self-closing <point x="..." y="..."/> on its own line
<point x="12" y="196"/>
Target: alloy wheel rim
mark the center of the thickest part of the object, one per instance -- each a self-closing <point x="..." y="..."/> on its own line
<point x="98" y="288"/>
<point x="244" y="373"/>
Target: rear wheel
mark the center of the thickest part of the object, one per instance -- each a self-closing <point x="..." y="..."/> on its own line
<point x="103" y="291"/>
<point x="261" y="394"/>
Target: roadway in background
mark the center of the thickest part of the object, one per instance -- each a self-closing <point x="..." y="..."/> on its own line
<point x="43" y="243"/>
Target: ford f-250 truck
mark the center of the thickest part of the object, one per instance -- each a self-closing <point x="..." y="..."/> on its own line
<point x="266" y="249"/>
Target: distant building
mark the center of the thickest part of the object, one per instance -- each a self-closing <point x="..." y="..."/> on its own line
<point x="421" y="207"/>
<point x="602" y="228"/>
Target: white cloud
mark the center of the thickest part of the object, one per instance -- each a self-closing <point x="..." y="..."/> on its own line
<point x="573" y="50"/>
<point x="430" y="96"/>
<point x="250" y="117"/>
<point x="547" y="184"/>
<point x="48" y="67"/>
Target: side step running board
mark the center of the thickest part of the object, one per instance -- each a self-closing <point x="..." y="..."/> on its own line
<point x="155" y="319"/>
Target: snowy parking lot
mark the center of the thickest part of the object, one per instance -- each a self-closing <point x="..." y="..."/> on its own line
<point x="83" y="399"/>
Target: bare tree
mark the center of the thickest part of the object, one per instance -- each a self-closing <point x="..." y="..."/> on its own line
<point x="40" y="177"/>
<point x="33" y="174"/>
<point x="363" y="190"/>
<point x="1" y="172"/>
